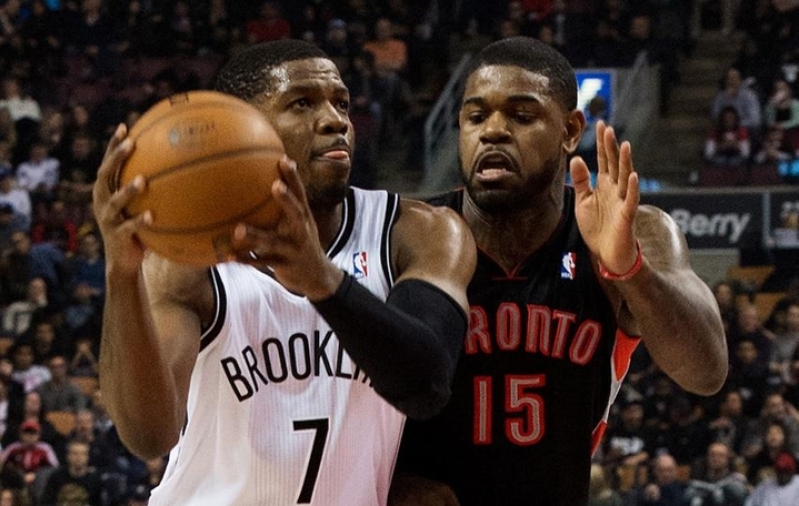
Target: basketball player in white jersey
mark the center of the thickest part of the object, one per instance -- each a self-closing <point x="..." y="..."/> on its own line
<point x="284" y="377"/>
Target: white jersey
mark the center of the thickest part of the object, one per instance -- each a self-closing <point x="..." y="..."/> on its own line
<point x="278" y="414"/>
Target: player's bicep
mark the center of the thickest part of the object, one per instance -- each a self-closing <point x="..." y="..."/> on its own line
<point x="177" y="298"/>
<point x="434" y="245"/>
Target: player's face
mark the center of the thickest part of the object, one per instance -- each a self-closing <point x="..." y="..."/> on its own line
<point x="308" y="104"/>
<point x="514" y="137"/>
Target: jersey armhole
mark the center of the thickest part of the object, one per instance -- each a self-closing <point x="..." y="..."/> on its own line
<point x="210" y="333"/>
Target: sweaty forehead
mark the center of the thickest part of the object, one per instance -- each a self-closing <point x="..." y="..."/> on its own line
<point x="304" y="73"/>
<point x="506" y="78"/>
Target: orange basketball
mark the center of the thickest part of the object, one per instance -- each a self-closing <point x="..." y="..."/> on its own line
<point x="209" y="160"/>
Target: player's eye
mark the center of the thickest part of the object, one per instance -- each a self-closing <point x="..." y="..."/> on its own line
<point x="302" y="103"/>
<point x="476" y="117"/>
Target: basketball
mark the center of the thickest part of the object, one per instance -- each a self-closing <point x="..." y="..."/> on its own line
<point x="209" y="160"/>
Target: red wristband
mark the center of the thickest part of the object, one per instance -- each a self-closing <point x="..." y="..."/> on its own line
<point x="612" y="276"/>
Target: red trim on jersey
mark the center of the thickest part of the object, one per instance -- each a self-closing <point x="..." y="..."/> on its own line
<point x="596" y="436"/>
<point x="623" y="352"/>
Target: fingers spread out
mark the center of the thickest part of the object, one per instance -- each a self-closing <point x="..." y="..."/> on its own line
<point x="601" y="154"/>
<point x="581" y="177"/>
<point x="611" y="153"/>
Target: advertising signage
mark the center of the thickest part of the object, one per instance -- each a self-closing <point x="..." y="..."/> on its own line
<point x="715" y="220"/>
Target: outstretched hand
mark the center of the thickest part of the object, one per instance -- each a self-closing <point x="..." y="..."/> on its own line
<point x="606" y="214"/>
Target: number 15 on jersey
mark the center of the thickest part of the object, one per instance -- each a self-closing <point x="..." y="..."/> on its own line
<point x="523" y="409"/>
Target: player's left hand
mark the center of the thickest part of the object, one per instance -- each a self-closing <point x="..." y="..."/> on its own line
<point x="606" y="214"/>
<point x="291" y="249"/>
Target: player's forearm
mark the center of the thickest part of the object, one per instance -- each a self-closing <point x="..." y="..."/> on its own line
<point x="136" y="384"/>
<point x="408" y="346"/>
<point x="681" y="326"/>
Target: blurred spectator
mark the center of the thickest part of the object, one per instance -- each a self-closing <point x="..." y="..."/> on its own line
<point x="782" y="107"/>
<point x="775" y="410"/>
<point x="748" y="373"/>
<point x="27" y="261"/>
<point x="82" y="310"/>
<point x="729" y="425"/>
<point x="366" y="117"/>
<point x="268" y="25"/>
<point x="17" y="198"/>
<point x="90" y="36"/>
<point x="19" y="103"/>
<point x="88" y="265"/>
<point x="600" y="492"/>
<point x="84" y="361"/>
<point x="783" y="488"/>
<point x="32" y="411"/>
<point x="679" y="433"/>
<point x="183" y="29"/>
<point x="728" y="143"/>
<point x="56" y="227"/>
<point x="714" y="480"/>
<point x="775" y="148"/>
<point x="26" y="371"/>
<point x="43" y="37"/>
<point x="783" y="347"/>
<point x="570" y="32"/>
<point x="665" y="489"/>
<point x="74" y="482"/>
<point x="738" y="95"/>
<point x="59" y="393"/>
<point x="29" y="455"/>
<point x="750" y="326"/>
<point x="79" y="168"/>
<point x="19" y="315"/>
<point x="724" y="292"/>
<point x="390" y="63"/>
<point x="52" y="132"/>
<point x="12" y="496"/>
<point x="625" y="443"/>
<point x="47" y="337"/>
<point x="39" y="173"/>
<point x="220" y="30"/>
<point x="338" y="46"/>
<point x="10" y="222"/>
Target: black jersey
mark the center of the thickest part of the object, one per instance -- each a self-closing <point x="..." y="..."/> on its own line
<point x="542" y="362"/>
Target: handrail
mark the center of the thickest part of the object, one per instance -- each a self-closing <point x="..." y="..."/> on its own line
<point x="441" y="114"/>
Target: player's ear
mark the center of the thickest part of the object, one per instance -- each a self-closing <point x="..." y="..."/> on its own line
<point x="573" y="129"/>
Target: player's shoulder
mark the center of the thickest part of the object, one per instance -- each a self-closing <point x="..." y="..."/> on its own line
<point x="424" y="215"/>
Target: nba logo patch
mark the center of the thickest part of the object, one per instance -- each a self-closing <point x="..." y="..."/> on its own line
<point x="360" y="268"/>
<point x="568" y="265"/>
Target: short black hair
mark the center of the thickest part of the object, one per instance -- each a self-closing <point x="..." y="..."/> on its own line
<point x="536" y="56"/>
<point x="247" y="74"/>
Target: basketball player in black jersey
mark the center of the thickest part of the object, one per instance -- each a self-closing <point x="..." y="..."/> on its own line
<point x="569" y="279"/>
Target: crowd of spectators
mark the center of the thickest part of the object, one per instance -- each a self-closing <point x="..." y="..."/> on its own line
<point x="741" y="446"/>
<point x="71" y="70"/>
<point x="754" y="137"/>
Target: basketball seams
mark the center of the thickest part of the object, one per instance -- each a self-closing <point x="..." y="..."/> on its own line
<point x="210" y="158"/>
<point x="208" y="101"/>
<point x="215" y="225"/>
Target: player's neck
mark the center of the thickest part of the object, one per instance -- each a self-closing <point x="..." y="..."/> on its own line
<point x="511" y="237"/>
<point x="328" y="222"/>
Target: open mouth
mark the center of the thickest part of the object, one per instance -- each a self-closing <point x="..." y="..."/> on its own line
<point x="495" y="165"/>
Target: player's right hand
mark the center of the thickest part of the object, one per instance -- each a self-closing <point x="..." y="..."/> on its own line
<point x="124" y="252"/>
